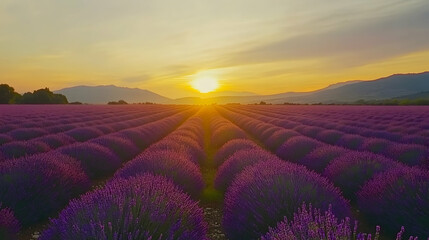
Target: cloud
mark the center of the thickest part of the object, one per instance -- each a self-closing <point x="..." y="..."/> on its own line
<point x="355" y="44"/>
<point x="136" y="79"/>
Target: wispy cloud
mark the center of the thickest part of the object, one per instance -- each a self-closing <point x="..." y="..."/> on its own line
<point x="136" y="79"/>
<point x="353" y="44"/>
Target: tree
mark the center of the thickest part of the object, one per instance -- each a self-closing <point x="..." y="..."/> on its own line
<point x="7" y="94"/>
<point x="43" y="96"/>
<point x="120" y="102"/>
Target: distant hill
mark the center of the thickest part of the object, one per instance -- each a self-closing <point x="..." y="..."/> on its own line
<point x="417" y="99"/>
<point x="420" y="95"/>
<point x="340" y="84"/>
<point x="108" y="93"/>
<point x="228" y="93"/>
<point x="394" y="86"/>
<point x="344" y="92"/>
<point x="383" y="88"/>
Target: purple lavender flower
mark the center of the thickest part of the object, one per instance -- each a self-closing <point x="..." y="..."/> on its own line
<point x="84" y="133"/>
<point x="225" y="133"/>
<point x="267" y="132"/>
<point x="56" y="140"/>
<point x="237" y="163"/>
<point x="96" y="160"/>
<point x="36" y="187"/>
<point x="312" y="224"/>
<point x="310" y="131"/>
<point x="9" y="225"/>
<point x="136" y="136"/>
<point x="19" y="149"/>
<point x="398" y="197"/>
<point x="232" y="147"/>
<point x="192" y="134"/>
<point x="262" y="194"/>
<point x="329" y="136"/>
<point x="169" y="163"/>
<point x="26" y="133"/>
<point x="352" y="170"/>
<point x="278" y="138"/>
<point x="193" y="151"/>
<point x="59" y="128"/>
<point x="122" y="147"/>
<point x="105" y="129"/>
<point x="297" y="148"/>
<point x="319" y="158"/>
<point x="376" y="145"/>
<point x="410" y="154"/>
<point x="5" y="138"/>
<point x="143" y="207"/>
<point x="351" y="141"/>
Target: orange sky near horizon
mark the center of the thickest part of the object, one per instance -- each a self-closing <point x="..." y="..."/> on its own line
<point x="264" y="47"/>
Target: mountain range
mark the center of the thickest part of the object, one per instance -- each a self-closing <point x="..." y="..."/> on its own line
<point x="106" y="93"/>
<point x="393" y="86"/>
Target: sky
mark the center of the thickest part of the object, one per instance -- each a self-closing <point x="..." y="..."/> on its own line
<point x="259" y="46"/>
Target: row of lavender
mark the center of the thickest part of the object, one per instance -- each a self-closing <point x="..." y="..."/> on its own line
<point x="39" y="121"/>
<point x="32" y="188"/>
<point x="408" y="153"/>
<point x="401" y="124"/>
<point x="48" y="142"/>
<point x="404" y="132"/>
<point x="261" y="190"/>
<point x="385" y="191"/>
<point x="153" y="196"/>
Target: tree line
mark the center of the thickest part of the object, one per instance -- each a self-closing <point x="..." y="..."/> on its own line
<point x="40" y="96"/>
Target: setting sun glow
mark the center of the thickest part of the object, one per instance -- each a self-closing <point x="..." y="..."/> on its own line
<point x="205" y="84"/>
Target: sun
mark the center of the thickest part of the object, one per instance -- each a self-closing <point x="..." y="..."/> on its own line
<point x="205" y="84"/>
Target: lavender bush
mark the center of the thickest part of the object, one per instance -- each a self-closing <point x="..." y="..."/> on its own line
<point x="185" y="132"/>
<point x="231" y="147"/>
<point x="122" y="147"/>
<point x="268" y="132"/>
<point x="319" y="158"/>
<point x="168" y="163"/>
<point x="237" y="163"/>
<point x="36" y="187"/>
<point x="310" y="131"/>
<point x="26" y="133"/>
<point x="225" y="133"/>
<point x="265" y="192"/>
<point x="297" y="148"/>
<point x="9" y="225"/>
<point x="192" y="152"/>
<point x="5" y="138"/>
<point x="143" y="207"/>
<point x="311" y="224"/>
<point x="351" y="141"/>
<point x="352" y="170"/>
<point x="19" y="149"/>
<point x="410" y="154"/>
<point x="398" y="197"/>
<point x="84" y="133"/>
<point x="329" y="136"/>
<point x="278" y="138"/>
<point x="56" y="140"/>
<point x="136" y="136"/>
<point x="96" y="160"/>
<point x="376" y="145"/>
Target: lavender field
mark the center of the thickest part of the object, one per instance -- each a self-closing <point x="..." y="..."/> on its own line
<point x="214" y="172"/>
